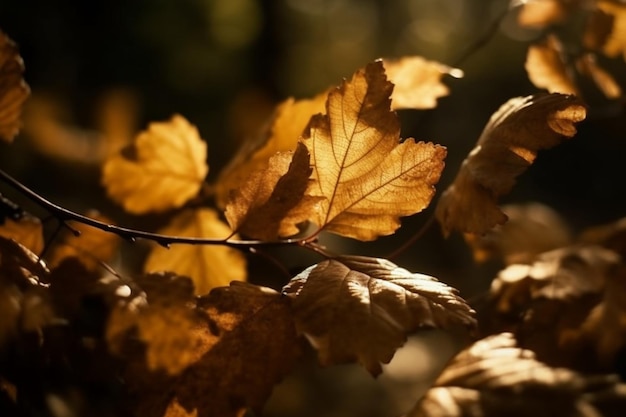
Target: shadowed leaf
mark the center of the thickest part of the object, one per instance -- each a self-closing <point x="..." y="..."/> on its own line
<point x="494" y="377"/>
<point x="362" y="309"/>
<point x="13" y="89"/>
<point x="506" y="148"/>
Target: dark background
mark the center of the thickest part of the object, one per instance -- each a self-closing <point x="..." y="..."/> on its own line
<point x="223" y="64"/>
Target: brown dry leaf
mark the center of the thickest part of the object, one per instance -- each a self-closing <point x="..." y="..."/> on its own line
<point x="615" y="44"/>
<point x="547" y="69"/>
<point x="367" y="177"/>
<point x="541" y="13"/>
<point x="263" y="208"/>
<point x="165" y="321"/>
<point x="163" y="169"/>
<point x="361" y="309"/>
<point x="250" y="343"/>
<point x="564" y="273"/>
<point x="417" y="82"/>
<point x="494" y="378"/>
<point x="27" y="231"/>
<point x="531" y="229"/>
<point x="587" y="65"/>
<point x="289" y="121"/>
<point x="92" y="247"/>
<point x="13" y="89"/>
<point x="506" y="148"/>
<point x="208" y="266"/>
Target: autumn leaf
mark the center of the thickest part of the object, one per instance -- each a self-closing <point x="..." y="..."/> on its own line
<point x="163" y="169"/>
<point x="362" y="309"/>
<point x="26" y="230"/>
<point x="546" y="67"/>
<point x="173" y="333"/>
<point x="282" y="134"/>
<point x="13" y="89"/>
<point x="92" y="247"/>
<point x="367" y="177"/>
<point x="494" y="377"/>
<point x="615" y="43"/>
<point x="250" y="343"/>
<point x="264" y="207"/>
<point x="530" y="230"/>
<point x="545" y="12"/>
<point x="588" y="66"/>
<point x="417" y="82"/>
<point x="208" y="266"/>
<point x="507" y="146"/>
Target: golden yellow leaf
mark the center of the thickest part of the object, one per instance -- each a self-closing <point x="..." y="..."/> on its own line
<point x="417" y="82"/>
<point x="546" y="67"/>
<point x="163" y="169"/>
<point x="366" y="175"/>
<point x="361" y="309"/>
<point x="615" y="43"/>
<point x="494" y="377"/>
<point x="174" y="335"/>
<point x="506" y="148"/>
<point x="541" y="13"/>
<point x="13" y="89"/>
<point x="208" y="266"/>
<point x="587" y="65"/>
<point x="27" y="231"/>
<point x="264" y="207"/>
<point x="289" y="121"/>
<point x="92" y="247"/>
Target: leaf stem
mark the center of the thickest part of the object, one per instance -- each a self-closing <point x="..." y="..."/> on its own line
<point x="397" y="252"/>
<point x="63" y="215"/>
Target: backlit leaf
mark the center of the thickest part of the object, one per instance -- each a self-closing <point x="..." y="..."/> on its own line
<point x="494" y="378"/>
<point x="13" y="89"/>
<point x="362" y="309"/>
<point x="615" y="44"/>
<point x="263" y="208"/>
<point x="367" y="177"/>
<point x="208" y="266"/>
<point x="506" y="148"/>
<point x="27" y="231"/>
<point x="546" y="67"/>
<point x="541" y="13"/>
<point x="417" y="82"/>
<point x="92" y="247"/>
<point x="289" y="121"/>
<point x="164" y="168"/>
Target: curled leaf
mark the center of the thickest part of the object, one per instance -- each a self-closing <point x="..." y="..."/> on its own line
<point x="417" y="82"/>
<point x="264" y="207"/>
<point x="362" y="309"/>
<point x="546" y="67"/>
<point x="208" y="266"/>
<point x="368" y="179"/>
<point x="282" y="134"/>
<point x="13" y="89"/>
<point x="494" y="377"/>
<point x="506" y="148"/>
<point x="164" y="168"/>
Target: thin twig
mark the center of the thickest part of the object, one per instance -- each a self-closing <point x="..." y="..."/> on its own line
<point x="397" y="252"/>
<point x="63" y="215"/>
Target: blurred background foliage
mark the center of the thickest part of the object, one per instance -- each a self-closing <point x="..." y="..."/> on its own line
<point x="101" y="70"/>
